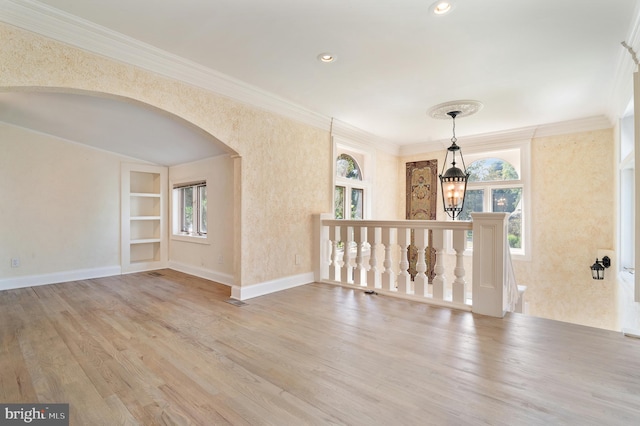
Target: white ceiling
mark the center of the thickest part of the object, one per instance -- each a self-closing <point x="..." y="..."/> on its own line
<point x="530" y="62"/>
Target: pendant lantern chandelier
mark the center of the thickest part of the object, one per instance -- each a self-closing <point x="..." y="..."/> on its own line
<point x="453" y="181"/>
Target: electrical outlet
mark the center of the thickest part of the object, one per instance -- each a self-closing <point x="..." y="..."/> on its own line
<point x="298" y="259"/>
<point x="15" y="262"/>
<point x="221" y="259"/>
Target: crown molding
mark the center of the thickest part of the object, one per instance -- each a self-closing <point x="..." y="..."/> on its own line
<point x="69" y="29"/>
<point x="342" y="130"/>
<point x="622" y="86"/>
<point x="573" y="126"/>
<point x="508" y="136"/>
<point x="488" y="139"/>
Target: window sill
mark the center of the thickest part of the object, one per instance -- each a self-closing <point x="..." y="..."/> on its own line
<point x="191" y="238"/>
<point x="627" y="277"/>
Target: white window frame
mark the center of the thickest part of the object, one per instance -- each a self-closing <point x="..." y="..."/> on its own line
<point x="627" y="203"/>
<point x="178" y="232"/>
<point x="364" y="162"/>
<point x="518" y="153"/>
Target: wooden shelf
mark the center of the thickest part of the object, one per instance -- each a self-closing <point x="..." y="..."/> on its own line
<point x="145" y="241"/>
<point x="145" y="218"/>
<point x="145" y="194"/>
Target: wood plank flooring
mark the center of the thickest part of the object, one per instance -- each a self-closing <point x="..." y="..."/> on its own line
<point x="144" y="350"/>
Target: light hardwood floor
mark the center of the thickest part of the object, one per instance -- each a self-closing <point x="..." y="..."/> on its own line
<point x="139" y="349"/>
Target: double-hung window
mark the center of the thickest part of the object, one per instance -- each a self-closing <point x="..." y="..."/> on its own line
<point x="190" y="201"/>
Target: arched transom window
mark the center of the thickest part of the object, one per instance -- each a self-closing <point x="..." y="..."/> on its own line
<point x="349" y="189"/>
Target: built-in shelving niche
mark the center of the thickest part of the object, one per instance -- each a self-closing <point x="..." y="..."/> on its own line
<point x="144" y="217"/>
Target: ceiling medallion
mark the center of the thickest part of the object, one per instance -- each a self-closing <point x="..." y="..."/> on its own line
<point x="465" y="109"/>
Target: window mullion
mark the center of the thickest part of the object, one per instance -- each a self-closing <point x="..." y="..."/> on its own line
<point x="487" y="201"/>
<point x="196" y="210"/>
<point x="347" y="202"/>
<point x="183" y="225"/>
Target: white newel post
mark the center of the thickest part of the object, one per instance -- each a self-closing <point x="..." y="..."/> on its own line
<point x="421" y="281"/>
<point x="324" y="246"/>
<point x="404" y="278"/>
<point x="459" y="245"/>
<point x="490" y="247"/>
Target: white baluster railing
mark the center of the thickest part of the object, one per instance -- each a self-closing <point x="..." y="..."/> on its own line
<point x="421" y="281"/>
<point x="373" y="274"/>
<point x="459" y="245"/>
<point x="388" y="276"/>
<point x="404" y="278"/>
<point x="360" y="268"/>
<point x="371" y="254"/>
<point x="439" y="279"/>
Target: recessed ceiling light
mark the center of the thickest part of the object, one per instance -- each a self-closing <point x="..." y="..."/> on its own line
<point x="441" y="7"/>
<point x="326" y="57"/>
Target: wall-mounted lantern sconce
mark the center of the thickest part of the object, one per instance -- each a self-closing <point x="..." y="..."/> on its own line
<point x="597" y="269"/>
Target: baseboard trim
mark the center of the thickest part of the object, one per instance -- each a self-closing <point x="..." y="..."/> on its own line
<point x="207" y="274"/>
<point x="58" y="277"/>
<point x="268" y="287"/>
<point x="631" y="332"/>
<point x="237" y="292"/>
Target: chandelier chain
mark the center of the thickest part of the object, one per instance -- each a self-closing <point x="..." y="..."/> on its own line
<point x="453" y="138"/>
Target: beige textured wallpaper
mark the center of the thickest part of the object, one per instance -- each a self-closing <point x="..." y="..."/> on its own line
<point x="284" y="178"/>
<point x="386" y="195"/>
<point x="573" y="209"/>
